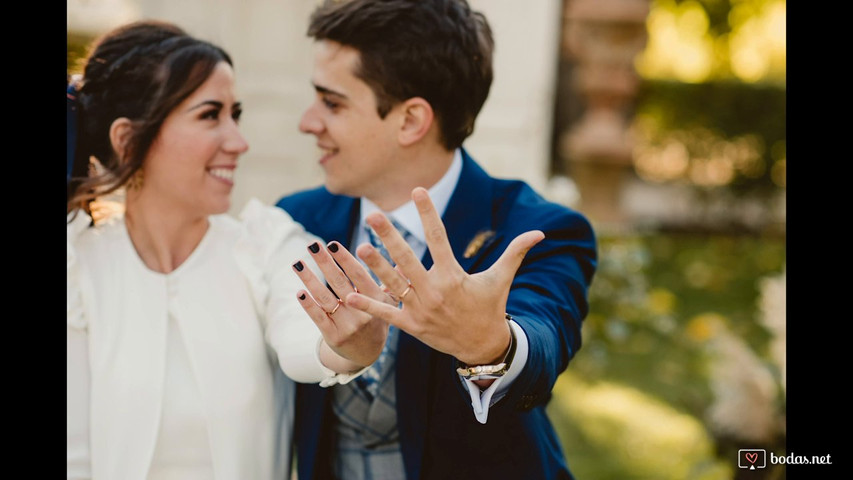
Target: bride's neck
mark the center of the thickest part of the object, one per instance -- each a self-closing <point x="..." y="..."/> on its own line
<point x="163" y="238"/>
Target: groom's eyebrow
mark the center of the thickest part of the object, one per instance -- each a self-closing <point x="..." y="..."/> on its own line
<point x="327" y="91"/>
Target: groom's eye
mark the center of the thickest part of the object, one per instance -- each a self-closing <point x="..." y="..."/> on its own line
<point x="330" y="104"/>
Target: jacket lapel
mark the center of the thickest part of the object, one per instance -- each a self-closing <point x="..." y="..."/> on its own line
<point x="335" y="220"/>
<point x="468" y="217"/>
<point x="468" y="214"/>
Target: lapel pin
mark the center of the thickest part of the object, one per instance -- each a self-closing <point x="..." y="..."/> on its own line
<point x="477" y="243"/>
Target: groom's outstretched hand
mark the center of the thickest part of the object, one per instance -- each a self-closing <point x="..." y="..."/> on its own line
<point x="446" y="308"/>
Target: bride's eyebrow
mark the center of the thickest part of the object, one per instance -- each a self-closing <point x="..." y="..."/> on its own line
<point x="214" y="103"/>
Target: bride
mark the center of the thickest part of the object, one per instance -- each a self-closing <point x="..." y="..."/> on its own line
<point x="178" y="315"/>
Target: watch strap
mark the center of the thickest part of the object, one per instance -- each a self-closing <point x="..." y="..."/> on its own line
<point x="480" y="372"/>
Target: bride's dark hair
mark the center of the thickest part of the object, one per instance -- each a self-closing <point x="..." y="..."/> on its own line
<point x="140" y="71"/>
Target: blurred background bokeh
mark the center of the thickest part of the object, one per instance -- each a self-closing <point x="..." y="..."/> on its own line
<point x="661" y="120"/>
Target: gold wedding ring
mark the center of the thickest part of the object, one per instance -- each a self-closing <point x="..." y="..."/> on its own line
<point x="405" y="292"/>
<point x="335" y="309"/>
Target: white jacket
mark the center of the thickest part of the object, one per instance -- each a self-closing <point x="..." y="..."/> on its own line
<point x="234" y="297"/>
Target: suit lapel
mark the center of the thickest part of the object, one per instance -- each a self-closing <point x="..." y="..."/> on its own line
<point x="336" y="220"/>
<point x="468" y="217"/>
<point x="468" y="213"/>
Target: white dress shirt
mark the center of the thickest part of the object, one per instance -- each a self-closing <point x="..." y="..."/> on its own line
<point x="407" y="216"/>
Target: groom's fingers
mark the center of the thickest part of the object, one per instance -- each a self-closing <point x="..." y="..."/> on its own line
<point x="356" y="272"/>
<point x="506" y="266"/>
<point x="380" y="310"/>
<point x="436" y="234"/>
<point x="400" y="251"/>
<point x="392" y="280"/>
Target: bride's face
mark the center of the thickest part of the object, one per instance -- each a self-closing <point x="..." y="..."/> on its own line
<point x="193" y="158"/>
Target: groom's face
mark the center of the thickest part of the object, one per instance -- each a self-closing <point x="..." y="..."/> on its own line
<point x="357" y="147"/>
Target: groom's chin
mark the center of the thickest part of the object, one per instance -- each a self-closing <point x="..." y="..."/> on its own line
<point x="338" y="188"/>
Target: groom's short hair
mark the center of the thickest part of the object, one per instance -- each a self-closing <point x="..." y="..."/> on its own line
<point x="439" y="50"/>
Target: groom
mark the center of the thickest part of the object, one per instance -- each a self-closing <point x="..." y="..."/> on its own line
<point x="485" y="310"/>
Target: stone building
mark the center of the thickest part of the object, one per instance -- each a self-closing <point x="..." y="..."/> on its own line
<point x="273" y="59"/>
<point x="559" y="114"/>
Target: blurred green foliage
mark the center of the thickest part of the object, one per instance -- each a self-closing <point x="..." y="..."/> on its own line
<point x="680" y="360"/>
<point x="618" y="432"/>
<point x="707" y="117"/>
<point x="697" y="41"/>
<point x="76" y="50"/>
<point x="656" y="301"/>
<point x="711" y="107"/>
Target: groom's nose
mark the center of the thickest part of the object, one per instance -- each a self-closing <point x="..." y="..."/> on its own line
<point x="310" y="121"/>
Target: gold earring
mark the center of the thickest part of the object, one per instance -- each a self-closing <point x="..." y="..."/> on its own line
<point x="136" y="180"/>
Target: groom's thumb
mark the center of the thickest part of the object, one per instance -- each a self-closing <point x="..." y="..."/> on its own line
<point x="506" y="266"/>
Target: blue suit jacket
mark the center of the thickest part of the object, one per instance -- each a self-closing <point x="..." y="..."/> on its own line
<point x="439" y="435"/>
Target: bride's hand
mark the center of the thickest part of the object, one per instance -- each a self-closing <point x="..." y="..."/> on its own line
<point x="353" y="339"/>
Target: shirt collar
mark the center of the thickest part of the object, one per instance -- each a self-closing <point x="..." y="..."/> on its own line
<point x="407" y="214"/>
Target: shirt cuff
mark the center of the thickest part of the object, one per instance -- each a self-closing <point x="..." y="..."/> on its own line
<point x="481" y="400"/>
<point x="331" y="377"/>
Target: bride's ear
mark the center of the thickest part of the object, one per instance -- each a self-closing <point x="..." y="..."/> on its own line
<point x="120" y="132"/>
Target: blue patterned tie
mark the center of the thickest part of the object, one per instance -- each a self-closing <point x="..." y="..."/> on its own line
<point x="377" y="243"/>
<point x="371" y="378"/>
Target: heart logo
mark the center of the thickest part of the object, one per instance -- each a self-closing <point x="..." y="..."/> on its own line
<point x="752" y="457"/>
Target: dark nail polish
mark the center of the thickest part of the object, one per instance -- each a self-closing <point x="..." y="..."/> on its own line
<point x="333" y="247"/>
<point x="298" y="266"/>
<point x="302" y="297"/>
<point x="314" y="247"/>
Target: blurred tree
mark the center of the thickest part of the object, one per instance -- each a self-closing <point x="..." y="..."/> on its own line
<point x="697" y="41"/>
<point x="711" y="107"/>
<point x="737" y="128"/>
<point x="77" y="46"/>
<point x="710" y="110"/>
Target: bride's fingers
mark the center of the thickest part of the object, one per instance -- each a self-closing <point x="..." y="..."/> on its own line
<point x="356" y="272"/>
<point x="321" y="294"/>
<point x="323" y="321"/>
<point x="335" y="277"/>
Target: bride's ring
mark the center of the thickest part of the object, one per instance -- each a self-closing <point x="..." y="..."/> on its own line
<point x="337" y="306"/>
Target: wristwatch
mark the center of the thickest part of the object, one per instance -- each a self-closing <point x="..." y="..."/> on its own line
<point x="482" y="372"/>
